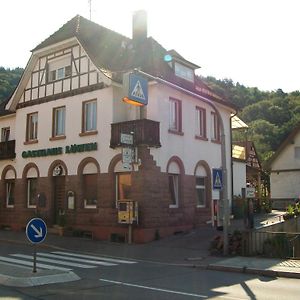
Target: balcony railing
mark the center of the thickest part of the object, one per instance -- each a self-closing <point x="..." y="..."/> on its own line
<point x="7" y="150"/>
<point x="145" y="132"/>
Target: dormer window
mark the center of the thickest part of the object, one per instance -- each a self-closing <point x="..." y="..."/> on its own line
<point x="184" y="72"/>
<point x="59" y="68"/>
<point x="60" y="73"/>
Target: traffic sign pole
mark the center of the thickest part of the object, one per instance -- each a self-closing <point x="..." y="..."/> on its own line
<point x="36" y="231"/>
<point x="34" y="258"/>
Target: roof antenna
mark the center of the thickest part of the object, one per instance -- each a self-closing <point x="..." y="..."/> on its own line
<point x="90" y="7"/>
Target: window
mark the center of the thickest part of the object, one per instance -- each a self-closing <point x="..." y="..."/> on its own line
<point x="5" y="132"/>
<point x="32" y="127"/>
<point x="215" y="127"/>
<point x="60" y="73"/>
<point x="297" y="152"/>
<point x="175" y="116"/>
<point x="89" y="116"/>
<point x="9" y="190"/>
<point x="90" y="190"/>
<point x="184" y="72"/>
<point x="59" y="121"/>
<point x="173" y="189"/>
<point x="123" y="186"/>
<point x="31" y="192"/>
<point x="201" y="191"/>
<point x="200" y="122"/>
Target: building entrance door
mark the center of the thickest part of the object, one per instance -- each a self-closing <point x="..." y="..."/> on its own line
<point x="59" y="199"/>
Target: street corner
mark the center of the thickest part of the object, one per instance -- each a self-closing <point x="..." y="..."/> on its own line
<point x="19" y="276"/>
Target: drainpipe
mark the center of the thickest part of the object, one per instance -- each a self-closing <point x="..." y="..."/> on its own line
<point x="225" y="199"/>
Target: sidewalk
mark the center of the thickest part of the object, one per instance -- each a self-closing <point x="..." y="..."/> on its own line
<point x="185" y="249"/>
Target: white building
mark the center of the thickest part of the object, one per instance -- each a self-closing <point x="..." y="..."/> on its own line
<point x="61" y="147"/>
<point x="284" y="168"/>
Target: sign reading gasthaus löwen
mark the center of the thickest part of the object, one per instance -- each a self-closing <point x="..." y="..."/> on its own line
<point x="60" y="150"/>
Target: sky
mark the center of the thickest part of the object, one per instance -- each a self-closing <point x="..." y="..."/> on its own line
<point x="253" y="42"/>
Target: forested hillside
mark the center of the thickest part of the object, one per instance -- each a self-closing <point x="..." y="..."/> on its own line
<point x="270" y="115"/>
<point x="9" y="79"/>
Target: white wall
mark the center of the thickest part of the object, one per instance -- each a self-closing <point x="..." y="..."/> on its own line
<point x="239" y="177"/>
<point x="189" y="149"/>
<point x="285" y="175"/>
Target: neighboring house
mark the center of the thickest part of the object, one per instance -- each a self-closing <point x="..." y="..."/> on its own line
<point x="284" y="168"/>
<point x="246" y="168"/>
<point x="61" y="132"/>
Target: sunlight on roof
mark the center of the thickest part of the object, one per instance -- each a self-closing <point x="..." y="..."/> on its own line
<point x="237" y="123"/>
<point x="238" y="152"/>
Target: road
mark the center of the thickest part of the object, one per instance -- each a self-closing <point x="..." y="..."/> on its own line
<point x="112" y="278"/>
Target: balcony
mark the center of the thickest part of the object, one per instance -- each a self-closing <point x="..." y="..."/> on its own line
<point x="145" y="132"/>
<point x="7" y="150"/>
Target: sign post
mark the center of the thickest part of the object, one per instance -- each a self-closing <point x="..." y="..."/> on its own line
<point x="36" y="231"/>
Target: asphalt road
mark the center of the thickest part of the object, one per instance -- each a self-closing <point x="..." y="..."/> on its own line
<point x="144" y="280"/>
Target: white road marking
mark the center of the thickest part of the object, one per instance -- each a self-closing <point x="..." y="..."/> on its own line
<point x="96" y="257"/>
<point x="28" y="263"/>
<point x="153" y="288"/>
<point x="81" y="260"/>
<point x="58" y="262"/>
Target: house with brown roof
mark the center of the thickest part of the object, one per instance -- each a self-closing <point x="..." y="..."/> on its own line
<point x="284" y="167"/>
<point x="75" y="152"/>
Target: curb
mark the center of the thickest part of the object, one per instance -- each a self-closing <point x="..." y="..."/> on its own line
<point x="37" y="280"/>
<point x="246" y="270"/>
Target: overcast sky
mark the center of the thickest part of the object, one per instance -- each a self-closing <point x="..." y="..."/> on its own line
<point x="253" y="42"/>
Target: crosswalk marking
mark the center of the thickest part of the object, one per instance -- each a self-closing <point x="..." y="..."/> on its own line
<point x="30" y="263"/>
<point x="64" y="261"/>
<point x="57" y="256"/>
<point x="96" y="257"/>
<point x="55" y="261"/>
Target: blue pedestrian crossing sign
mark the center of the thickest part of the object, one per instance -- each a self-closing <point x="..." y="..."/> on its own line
<point x="217" y="179"/>
<point x="36" y="230"/>
<point x="136" y="89"/>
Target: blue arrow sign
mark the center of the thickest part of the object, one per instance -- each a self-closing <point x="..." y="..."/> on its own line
<point x="217" y="179"/>
<point x="36" y="230"/>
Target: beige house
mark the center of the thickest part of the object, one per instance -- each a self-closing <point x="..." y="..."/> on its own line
<point x="284" y="168"/>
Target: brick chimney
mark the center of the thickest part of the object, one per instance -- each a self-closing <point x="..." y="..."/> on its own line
<point x="139" y="26"/>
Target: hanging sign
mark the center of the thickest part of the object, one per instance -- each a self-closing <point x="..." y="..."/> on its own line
<point x="135" y="89"/>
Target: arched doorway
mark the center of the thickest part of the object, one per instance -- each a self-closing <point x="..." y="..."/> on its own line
<point x="59" y="192"/>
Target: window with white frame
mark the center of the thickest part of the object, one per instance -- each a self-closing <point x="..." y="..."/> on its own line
<point x="215" y="127"/>
<point x="123" y="182"/>
<point x="59" y="68"/>
<point x="32" y="127"/>
<point x="174" y="184"/>
<point x="201" y="190"/>
<point x="174" y="189"/>
<point x="90" y="190"/>
<point x="89" y="116"/>
<point x="200" y="122"/>
<point x="9" y="193"/>
<point x="175" y="115"/>
<point x="201" y="185"/>
<point x="59" y="116"/>
<point x="184" y="72"/>
<point x="31" y="192"/>
<point x="5" y="132"/>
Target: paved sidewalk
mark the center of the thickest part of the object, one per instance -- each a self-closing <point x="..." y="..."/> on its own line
<point x="185" y="249"/>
